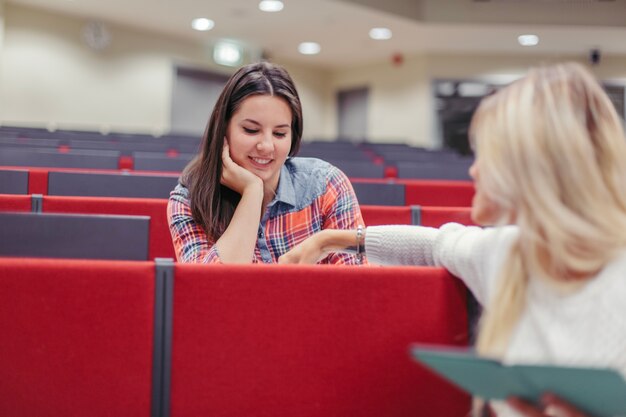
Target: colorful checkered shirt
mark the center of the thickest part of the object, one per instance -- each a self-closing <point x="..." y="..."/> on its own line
<point x="312" y="195"/>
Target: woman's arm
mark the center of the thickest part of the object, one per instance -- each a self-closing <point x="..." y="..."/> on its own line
<point x="341" y="211"/>
<point x="470" y="253"/>
<point x="318" y="246"/>
<point x="237" y="243"/>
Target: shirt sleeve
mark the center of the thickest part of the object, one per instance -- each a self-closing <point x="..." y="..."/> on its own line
<point x="341" y="211"/>
<point x="191" y="243"/>
<point x="471" y="253"/>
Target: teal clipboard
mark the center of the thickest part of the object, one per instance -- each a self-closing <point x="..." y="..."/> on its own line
<point x="597" y="391"/>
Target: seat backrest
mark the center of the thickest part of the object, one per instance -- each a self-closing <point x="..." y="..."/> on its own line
<point x="74" y="236"/>
<point x="312" y="341"/>
<point x="13" y="202"/>
<point x="443" y="170"/>
<point x="358" y="169"/>
<point x="438" y="193"/>
<point x="110" y="185"/>
<point x="151" y="161"/>
<point x="51" y="158"/>
<point x="13" y="182"/>
<point x="161" y="245"/>
<point x="379" y="194"/>
<point x="381" y="215"/>
<point x="437" y="216"/>
<point x="77" y="337"/>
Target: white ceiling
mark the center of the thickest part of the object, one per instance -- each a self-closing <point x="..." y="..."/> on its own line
<point x="341" y="26"/>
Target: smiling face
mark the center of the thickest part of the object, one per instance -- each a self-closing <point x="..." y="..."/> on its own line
<point x="259" y="136"/>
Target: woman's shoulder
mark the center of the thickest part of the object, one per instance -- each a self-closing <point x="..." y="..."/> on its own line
<point x="180" y="193"/>
<point x="312" y="178"/>
<point x="313" y="169"/>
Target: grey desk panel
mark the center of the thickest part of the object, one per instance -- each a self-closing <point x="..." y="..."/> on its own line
<point x="148" y="161"/>
<point x="379" y="194"/>
<point x="51" y="158"/>
<point x="359" y="169"/>
<point x="435" y="170"/>
<point x="110" y="185"/>
<point x="74" y="236"/>
<point x="13" y="182"/>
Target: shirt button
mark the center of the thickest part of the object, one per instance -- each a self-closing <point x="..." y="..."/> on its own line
<point x="260" y="234"/>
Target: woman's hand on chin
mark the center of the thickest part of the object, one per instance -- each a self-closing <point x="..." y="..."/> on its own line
<point x="235" y="176"/>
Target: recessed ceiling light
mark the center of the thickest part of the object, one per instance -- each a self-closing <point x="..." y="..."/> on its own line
<point x="271" y="5"/>
<point x="227" y="53"/>
<point x="528" y="40"/>
<point x="309" y="48"/>
<point x="380" y="33"/>
<point x="202" y="24"/>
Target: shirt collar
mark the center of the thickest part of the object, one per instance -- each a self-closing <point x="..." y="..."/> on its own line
<point x="286" y="192"/>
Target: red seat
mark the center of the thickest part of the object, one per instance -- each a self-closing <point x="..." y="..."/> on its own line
<point x="161" y="245"/>
<point x="76" y="337"/>
<point x="14" y="202"/>
<point x="436" y="216"/>
<point x="380" y="215"/>
<point x="312" y="341"/>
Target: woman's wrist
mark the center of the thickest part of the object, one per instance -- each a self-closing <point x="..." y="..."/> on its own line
<point x="348" y="241"/>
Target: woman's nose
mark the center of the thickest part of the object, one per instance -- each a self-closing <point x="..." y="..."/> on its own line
<point x="266" y="143"/>
<point x="473" y="170"/>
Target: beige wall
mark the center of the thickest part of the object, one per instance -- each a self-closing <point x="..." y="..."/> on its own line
<point x="48" y="76"/>
<point x="315" y="93"/>
<point x="401" y="106"/>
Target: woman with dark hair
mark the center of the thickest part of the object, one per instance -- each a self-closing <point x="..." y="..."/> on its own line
<point x="244" y="198"/>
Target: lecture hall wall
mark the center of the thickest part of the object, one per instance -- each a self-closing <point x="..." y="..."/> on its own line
<point x="49" y="77"/>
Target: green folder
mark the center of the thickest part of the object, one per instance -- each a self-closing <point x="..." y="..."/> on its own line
<point x="597" y="391"/>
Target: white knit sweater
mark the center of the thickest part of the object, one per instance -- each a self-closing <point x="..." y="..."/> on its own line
<point x="582" y="328"/>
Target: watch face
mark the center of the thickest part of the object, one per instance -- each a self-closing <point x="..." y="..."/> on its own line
<point x="96" y="35"/>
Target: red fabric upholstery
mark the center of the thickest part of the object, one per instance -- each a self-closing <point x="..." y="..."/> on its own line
<point x="312" y="341"/>
<point x="391" y="171"/>
<point x="161" y="245"/>
<point x="436" y="216"/>
<point x="126" y="162"/>
<point x="15" y="202"/>
<point x="37" y="181"/>
<point x="76" y="337"/>
<point x="380" y="215"/>
<point x="438" y="193"/>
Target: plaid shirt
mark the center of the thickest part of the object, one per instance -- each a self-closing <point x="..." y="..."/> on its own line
<point x="312" y="195"/>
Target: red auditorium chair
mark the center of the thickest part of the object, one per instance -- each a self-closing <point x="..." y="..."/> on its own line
<point x="312" y="341"/>
<point x="77" y="337"/>
<point x="161" y="245"/>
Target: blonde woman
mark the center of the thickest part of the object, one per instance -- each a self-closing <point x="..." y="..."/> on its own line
<point x="550" y="174"/>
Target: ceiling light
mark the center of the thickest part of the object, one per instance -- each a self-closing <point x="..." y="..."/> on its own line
<point x="202" y="24"/>
<point x="271" y="5"/>
<point x="227" y="53"/>
<point x="528" y="40"/>
<point x="309" y="48"/>
<point x="380" y="33"/>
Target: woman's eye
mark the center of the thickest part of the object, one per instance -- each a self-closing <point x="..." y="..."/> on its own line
<point x="250" y="131"/>
<point x="280" y="134"/>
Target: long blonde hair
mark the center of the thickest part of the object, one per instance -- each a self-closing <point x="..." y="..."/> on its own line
<point x="552" y="154"/>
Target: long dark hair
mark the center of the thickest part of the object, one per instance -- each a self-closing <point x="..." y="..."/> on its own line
<point x="212" y="204"/>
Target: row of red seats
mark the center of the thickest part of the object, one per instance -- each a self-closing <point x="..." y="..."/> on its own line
<point x="110" y="338"/>
<point x="414" y="192"/>
<point x="160" y="242"/>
